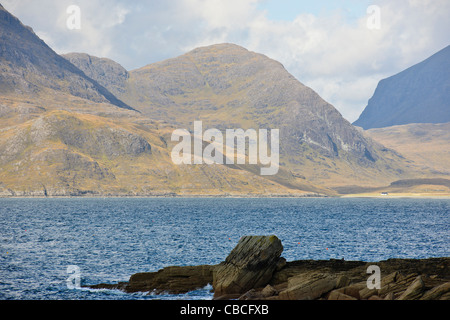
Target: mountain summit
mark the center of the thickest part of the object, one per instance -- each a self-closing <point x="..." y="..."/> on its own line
<point x="62" y="132"/>
<point x="228" y="86"/>
<point x="419" y="94"/>
<point x="29" y="68"/>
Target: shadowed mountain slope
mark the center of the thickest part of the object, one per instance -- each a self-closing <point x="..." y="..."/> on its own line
<point x="419" y="94"/>
<point x="29" y="68"/>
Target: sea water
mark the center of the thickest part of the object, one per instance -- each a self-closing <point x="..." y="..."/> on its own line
<point x="109" y="239"/>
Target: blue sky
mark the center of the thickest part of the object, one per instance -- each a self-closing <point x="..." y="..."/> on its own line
<point x="287" y="10"/>
<point x="325" y="44"/>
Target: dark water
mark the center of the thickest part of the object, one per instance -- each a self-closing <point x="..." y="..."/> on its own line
<point x="110" y="239"/>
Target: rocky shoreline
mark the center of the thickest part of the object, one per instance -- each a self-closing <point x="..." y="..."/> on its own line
<point x="255" y="270"/>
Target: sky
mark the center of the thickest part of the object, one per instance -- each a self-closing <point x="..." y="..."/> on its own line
<point x="340" y="48"/>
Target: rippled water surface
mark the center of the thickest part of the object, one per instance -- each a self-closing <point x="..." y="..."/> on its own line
<point x="110" y="239"/>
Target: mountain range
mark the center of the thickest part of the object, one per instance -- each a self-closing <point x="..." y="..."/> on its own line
<point x="227" y="86"/>
<point x="82" y="125"/>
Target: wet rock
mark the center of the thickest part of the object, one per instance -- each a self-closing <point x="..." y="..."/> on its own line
<point x="173" y="280"/>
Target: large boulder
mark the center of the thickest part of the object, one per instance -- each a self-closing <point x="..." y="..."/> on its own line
<point x="249" y="265"/>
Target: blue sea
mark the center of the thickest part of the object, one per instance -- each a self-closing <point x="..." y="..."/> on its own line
<point x="109" y="239"/>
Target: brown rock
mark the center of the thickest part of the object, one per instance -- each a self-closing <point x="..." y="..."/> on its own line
<point x="342" y="281"/>
<point x="336" y="295"/>
<point x="269" y="291"/>
<point x="232" y="296"/>
<point x="388" y="282"/>
<point x="366" y="293"/>
<point x="389" y="296"/>
<point x="251" y="294"/>
<point x="352" y="290"/>
<point x="254" y="294"/>
<point x="445" y="296"/>
<point x="437" y="292"/>
<point x="396" y="283"/>
<point x="280" y="264"/>
<point x="172" y="280"/>
<point x="308" y="287"/>
<point x="414" y="291"/>
<point x="249" y="265"/>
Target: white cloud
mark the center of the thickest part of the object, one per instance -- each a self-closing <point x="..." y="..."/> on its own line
<point x="339" y="58"/>
<point x="344" y="61"/>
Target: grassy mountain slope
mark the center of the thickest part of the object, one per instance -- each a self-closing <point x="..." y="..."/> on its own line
<point x="68" y="153"/>
<point x="426" y="144"/>
<point x="227" y="86"/>
<point x="67" y="128"/>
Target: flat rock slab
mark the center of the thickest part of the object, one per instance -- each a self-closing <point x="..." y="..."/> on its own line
<point x="171" y="280"/>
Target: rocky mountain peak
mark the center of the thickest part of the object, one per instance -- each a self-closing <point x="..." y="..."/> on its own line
<point x="105" y="71"/>
<point x="419" y="94"/>
<point x="31" y="68"/>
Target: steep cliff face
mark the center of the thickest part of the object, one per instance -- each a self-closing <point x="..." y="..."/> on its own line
<point x="419" y="94"/>
<point x="29" y="68"/>
<point x="106" y="72"/>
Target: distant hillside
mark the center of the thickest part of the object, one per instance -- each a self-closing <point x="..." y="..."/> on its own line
<point x="227" y="86"/>
<point x="419" y="94"/>
<point x="61" y="153"/>
<point x="84" y="125"/>
<point x="29" y="68"/>
<point x="63" y="133"/>
<point x="427" y="144"/>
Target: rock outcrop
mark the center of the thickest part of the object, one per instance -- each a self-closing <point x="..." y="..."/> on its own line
<point x="254" y="270"/>
<point x="171" y="280"/>
<point x="249" y="265"/>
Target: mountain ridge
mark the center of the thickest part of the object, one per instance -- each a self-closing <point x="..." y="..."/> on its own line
<point x="55" y="143"/>
<point x="418" y="94"/>
<point x="227" y="86"/>
<point x="31" y="68"/>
